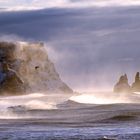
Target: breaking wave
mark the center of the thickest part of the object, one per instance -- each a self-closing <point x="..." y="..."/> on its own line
<point x="39" y="105"/>
<point x="19" y="106"/>
<point x="106" y="98"/>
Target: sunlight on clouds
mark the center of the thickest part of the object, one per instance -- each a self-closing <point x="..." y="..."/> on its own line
<point x="50" y="3"/>
<point x="13" y="5"/>
<point x="102" y="3"/>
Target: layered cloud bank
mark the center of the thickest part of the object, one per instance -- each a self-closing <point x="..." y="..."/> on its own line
<point x="14" y="5"/>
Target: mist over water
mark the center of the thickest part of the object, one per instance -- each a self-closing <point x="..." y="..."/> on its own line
<point x="19" y="107"/>
<point x="88" y="115"/>
<point x="15" y="106"/>
<point x="105" y="98"/>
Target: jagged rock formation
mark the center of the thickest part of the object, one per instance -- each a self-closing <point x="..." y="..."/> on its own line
<point x="122" y="85"/>
<point x="136" y="85"/>
<point x="25" y="67"/>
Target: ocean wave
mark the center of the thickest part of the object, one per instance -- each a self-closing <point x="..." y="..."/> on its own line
<point x="67" y="107"/>
<point x="106" y="98"/>
<point x="19" y="106"/>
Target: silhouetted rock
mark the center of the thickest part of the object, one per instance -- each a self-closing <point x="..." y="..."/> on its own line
<point x="122" y="85"/>
<point x="25" y="67"/>
<point x="136" y="85"/>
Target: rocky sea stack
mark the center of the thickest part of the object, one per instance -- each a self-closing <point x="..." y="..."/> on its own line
<point x="136" y="84"/>
<point x="25" y="68"/>
<point x="123" y="85"/>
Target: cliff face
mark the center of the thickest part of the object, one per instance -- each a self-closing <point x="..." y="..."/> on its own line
<point x="28" y="69"/>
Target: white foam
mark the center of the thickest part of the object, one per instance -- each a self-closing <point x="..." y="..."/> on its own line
<point x="12" y="107"/>
<point x="137" y="93"/>
<point x="103" y="98"/>
<point x="37" y="104"/>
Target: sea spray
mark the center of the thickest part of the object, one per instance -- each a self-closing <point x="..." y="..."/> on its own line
<point x="20" y="106"/>
<point x="105" y="98"/>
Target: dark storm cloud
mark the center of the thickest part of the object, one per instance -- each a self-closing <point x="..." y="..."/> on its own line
<point x="90" y="47"/>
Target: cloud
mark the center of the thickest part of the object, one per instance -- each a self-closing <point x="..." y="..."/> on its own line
<point x="103" y="3"/>
<point x="16" y="5"/>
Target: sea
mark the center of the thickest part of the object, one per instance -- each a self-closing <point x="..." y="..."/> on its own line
<point x="80" y="116"/>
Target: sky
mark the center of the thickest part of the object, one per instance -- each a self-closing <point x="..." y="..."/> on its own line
<point x="39" y="4"/>
<point x="90" y="42"/>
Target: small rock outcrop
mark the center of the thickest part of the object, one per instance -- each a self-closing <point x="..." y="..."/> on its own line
<point x="25" y="67"/>
<point x="136" y="85"/>
<point x="122" y="85"/>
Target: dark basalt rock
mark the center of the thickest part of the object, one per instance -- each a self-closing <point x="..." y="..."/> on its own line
<point x="136" y="85"/>
<point x="122" y="85"/>
<point x="25" y="67"/>
<point x="10" y="82"/>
